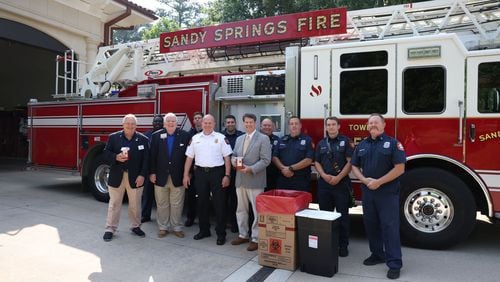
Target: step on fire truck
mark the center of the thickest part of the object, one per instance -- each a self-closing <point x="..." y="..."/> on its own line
<point x="431" y="68"/>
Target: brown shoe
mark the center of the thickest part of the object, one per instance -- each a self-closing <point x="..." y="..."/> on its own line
<point x="179" y="234"/>
<point x="252" y="247"/>
<point x="162" y="233"/>
<point x="239" y="241"/>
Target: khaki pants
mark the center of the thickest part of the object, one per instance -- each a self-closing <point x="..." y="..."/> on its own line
<point x="169" y="205"/>
<point x="115" y="204"/>
<point x="246" y="195"/>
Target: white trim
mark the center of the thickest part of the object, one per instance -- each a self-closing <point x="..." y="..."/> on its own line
<point x="491" y="180"/>
<point x="495" y="190"/>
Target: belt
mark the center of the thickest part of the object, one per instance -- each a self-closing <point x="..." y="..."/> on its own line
<point x="208" y="169"/>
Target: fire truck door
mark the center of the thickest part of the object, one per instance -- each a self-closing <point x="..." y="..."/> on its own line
<point x="482" y="127"/>
<point x="363" y="82"/>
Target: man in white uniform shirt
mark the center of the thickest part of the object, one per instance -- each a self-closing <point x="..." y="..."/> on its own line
<point x="255" y="149"/>
<point x="211" y="153"/>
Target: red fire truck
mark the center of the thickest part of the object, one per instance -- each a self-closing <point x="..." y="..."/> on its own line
<point x="431" y="68"/>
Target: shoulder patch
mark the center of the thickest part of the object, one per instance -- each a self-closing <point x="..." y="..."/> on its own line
<point x="400" y="146"/>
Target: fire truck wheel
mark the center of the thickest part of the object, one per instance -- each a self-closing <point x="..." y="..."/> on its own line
<point x="437" y="209"/>
<point x="97" y="181"/>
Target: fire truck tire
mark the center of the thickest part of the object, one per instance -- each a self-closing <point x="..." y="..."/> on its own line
<point x="437" y="209"/>
<point x="97" y="179"/>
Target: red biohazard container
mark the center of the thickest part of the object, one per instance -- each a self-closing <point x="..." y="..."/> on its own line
<point x="277" y="228"/>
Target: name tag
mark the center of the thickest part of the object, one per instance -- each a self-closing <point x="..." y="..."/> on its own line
<point x="140" y="147"/>
<point x="163" y="135"/>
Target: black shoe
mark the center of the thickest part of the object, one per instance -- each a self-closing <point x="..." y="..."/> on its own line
<point x="137" y="231"/>
<point x="373" y="260"/>
<point x="145" y="219"/>
<point x="107" y="236"/>
<point x="221" y="241"/>
<point x="201" y="235"/>
<point x="189" y="222"/>
<point x="393" y="273"/>
<point x="343" y="252"/>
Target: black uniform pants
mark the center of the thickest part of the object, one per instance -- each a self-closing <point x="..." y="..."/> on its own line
<point x="336" y="197"/>
<point x="232" y="201"/>
<point x="148" y="199"/>
<point x="191" y="200"/>
<point x="209" y="181"/>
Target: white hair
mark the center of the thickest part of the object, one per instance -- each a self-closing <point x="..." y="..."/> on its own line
<point x="169" y="115"/>
<point x="129" y="116"/>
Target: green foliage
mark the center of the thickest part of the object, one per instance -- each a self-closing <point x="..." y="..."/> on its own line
<point x="162" y="25"/>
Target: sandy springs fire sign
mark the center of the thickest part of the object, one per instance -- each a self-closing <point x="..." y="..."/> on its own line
<point x="284" y="27"/>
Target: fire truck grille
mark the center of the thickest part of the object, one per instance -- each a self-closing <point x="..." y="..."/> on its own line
<point x="234" y="85"/>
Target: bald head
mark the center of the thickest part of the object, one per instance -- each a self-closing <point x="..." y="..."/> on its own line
<point x="267" y="126"/>
<point x="208" y="124"/>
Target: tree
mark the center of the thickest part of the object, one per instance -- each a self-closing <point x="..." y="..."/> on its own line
<point x="164" y="24"/>
<point x="124" y="35"/>
<point x="184" y="12"/>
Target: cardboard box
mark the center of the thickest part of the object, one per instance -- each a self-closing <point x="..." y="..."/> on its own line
<point x="278" y="241"/>
<point x="277" y="230"/>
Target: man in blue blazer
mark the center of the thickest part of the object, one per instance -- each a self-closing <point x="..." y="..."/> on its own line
<point x="127" y="151"/>
<point x="168" y="148"/>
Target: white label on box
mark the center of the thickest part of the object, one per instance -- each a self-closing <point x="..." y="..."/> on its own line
<point x="313" y="241"/>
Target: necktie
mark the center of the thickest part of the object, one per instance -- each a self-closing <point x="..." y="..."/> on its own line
<point x="245" y="143"/>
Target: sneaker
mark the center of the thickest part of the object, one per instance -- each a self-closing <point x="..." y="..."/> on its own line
<point x="393" y="273"/>
<point x="373" y="260"/>
<point x="137" y="231"/>
<point x="179" y="234"/>
<point x="343" y="252"/>
<point x="162" y="233"/>
<point x="252" y="247"/>
<point x="239" y="241"/>
<point x="107" y="236"/>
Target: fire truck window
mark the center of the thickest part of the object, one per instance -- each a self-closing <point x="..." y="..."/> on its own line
<point x="364" y="59"/>
<point x="363" y="92"/>
<point x="488" y="89"/>
<point x="424" y="90"/>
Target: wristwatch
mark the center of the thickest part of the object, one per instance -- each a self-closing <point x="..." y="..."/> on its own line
<point x="227" y="175"/>
<point x="290" y="168"/>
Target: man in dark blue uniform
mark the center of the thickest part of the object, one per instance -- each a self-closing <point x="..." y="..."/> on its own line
<point x="272" y="173"/>
<point x="377" y="162"/>
<point x="148" y="196"/>
<point x="333" y="154"/>
<point x="293" y="157"/>
<point x="191" y="199"/>
<point x="231" y="134"/>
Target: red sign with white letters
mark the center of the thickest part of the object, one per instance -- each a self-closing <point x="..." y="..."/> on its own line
<point x="278" y="28"/>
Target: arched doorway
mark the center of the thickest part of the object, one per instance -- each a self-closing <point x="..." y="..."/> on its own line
<point x="27" y="71"/>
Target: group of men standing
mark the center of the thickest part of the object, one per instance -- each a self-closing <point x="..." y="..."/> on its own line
<point x="231" y="168"/>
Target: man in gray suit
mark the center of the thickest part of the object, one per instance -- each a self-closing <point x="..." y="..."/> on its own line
<point x="251" y="156"/>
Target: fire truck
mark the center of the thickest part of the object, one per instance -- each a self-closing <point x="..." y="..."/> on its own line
<point x="431" y="68"/>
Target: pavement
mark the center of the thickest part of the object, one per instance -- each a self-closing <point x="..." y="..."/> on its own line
<point x="50" y="230"/>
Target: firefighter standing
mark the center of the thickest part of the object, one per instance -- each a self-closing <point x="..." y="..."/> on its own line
<point x="333" y="154"/>
<point x="191" y="200"/>
<point x="377" y="162"/>
<point x="293" y="157"/>
<point x="272" y="173"/>
<point x="211" y="153"/>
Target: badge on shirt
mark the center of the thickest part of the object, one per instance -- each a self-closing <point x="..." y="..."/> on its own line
<point x="400" y="146"/>
<point x="275" y="142"/>
<point x="302" y="142"/>
<point x="163" y="135"/>
<point x="140" y="147"/>
<point x="342" y="143"/>
<point x="181" y="144"/>
<point x="387" y="144"/>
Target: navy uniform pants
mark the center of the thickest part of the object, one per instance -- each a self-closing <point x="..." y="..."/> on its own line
<point x="209" y="181"/>
<point x="148" y="199"/>
<point x="296" y="182"/>
<point x="337" y="197"/>
<point x="381" y="219"/>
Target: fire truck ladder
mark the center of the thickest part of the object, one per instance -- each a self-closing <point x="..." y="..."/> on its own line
<point x="69" y="76"/>
<point x="476" y="22"/>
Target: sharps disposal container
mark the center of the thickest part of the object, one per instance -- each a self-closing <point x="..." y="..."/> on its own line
<point x="318" y="238"/>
